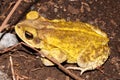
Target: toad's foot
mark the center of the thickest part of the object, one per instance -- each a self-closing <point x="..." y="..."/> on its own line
<point x="77" y="68"/>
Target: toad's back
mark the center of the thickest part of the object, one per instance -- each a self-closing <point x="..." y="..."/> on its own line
<point x="75" y="39"/>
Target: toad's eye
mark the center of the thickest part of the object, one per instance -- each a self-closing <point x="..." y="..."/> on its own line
<point x="28" y="35"/>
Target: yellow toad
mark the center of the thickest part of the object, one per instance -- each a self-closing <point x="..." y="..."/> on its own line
<point x="73" y="42"/>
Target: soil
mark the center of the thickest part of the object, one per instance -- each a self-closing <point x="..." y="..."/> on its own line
<point x="102" y="13"/>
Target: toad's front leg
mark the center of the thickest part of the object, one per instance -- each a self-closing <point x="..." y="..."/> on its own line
<point x="55" y="53"/>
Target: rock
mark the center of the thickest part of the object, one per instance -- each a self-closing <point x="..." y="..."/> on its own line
<point x="7" y="40"/>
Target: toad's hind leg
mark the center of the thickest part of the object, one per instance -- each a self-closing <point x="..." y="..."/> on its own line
<point x="54" y="53"/>
<point x="91" y="57"/>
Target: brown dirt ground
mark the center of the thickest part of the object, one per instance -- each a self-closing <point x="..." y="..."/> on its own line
<point x="102" y="13"/>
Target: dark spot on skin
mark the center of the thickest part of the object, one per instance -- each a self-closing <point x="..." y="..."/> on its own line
<point x="28" y="35"/>
<point x="37" y="40"/>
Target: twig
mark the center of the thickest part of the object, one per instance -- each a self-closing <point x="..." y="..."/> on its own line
<point x="6" y="10"/>
<point x="55" y="62"/>
<point x="9" y="49"/>
<point x="12" y="69"/>
<point x="49" y="58"/>
<point x="9" y="15"/>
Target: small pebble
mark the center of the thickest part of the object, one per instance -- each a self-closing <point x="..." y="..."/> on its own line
<point x="55" y="10"/>
<point x="8" y="40"/>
